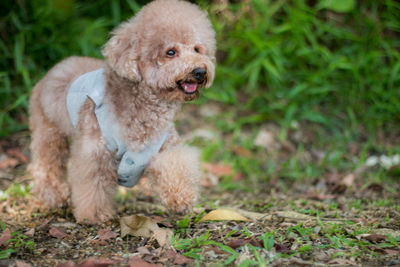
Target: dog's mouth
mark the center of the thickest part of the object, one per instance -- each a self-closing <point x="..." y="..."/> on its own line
<point x="188" y="87"/>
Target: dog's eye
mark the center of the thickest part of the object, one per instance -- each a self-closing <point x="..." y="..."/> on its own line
<point x="196" y="49"/>
<point x="171" y="52"/>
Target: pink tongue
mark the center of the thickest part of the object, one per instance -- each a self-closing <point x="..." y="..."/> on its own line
<point x="189" y="87"/>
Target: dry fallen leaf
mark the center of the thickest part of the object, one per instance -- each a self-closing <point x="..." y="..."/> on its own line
<point x="223" y="215"/>
<point x="158" y="219"/>
<point x="342" y="262"/>
<point x="280" y="248"/>
<point x="30" y="232"/>
<point x="177" y="258"/>
<point x="68" y="264"/>
<point x="182" y="260"/>
<point x="241" y="151"/>
<point x="105" y="234"/>
<point x="391" y="251"/>
<point x="8" y="163"/>
<point x="230" y="215"/>
<point x="16" y="152"/>
<point x="374" y="238"/>
<point x="5" y="236"/>
<point x="216" y="251"/>
<point x="54" y="232"/>
<point x="348" y="180"/>
<point x="143" y="250"/>
<point x="170" y="253"/>
<point x="45" y="223"/>
<point x="137" y="225"/>
<point x="163" y="236"/>
<point x="162" y="221"/>
<point x="138" y="262"/>
<point x="267" y="216"/>
<point x="219" y="169"/>
<point x="386" y="231"/>
<point x="89" y="263"/>
<point x="22" y="264"/>
<point x="209" y="180"/>
<point x="252" y="215"/>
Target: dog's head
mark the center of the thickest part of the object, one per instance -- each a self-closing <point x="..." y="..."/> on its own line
<point x="169" y="46"/>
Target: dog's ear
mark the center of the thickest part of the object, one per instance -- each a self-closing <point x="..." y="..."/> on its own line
<point x="121" y="51"/>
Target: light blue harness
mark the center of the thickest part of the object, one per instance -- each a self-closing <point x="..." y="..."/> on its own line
<point x="132" y="164"/>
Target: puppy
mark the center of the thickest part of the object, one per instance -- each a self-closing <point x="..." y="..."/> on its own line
<point x="96" y="124"/>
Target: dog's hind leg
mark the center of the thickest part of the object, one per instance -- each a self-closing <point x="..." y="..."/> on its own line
<point x="91" y="171"/>
<point x="49" y="148"/>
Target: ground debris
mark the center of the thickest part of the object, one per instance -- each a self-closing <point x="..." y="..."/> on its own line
<point x="5" y="236"/>
<point x="57" y="233"/>
<point x="339" y="217"/>
<point x="89" y="263"/>
<point x="143" y="226"/>
<point x="138" y="262"/>
<point x="223" y="215"/>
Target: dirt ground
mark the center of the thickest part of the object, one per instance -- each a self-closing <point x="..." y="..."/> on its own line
<point x="332" y="220"/>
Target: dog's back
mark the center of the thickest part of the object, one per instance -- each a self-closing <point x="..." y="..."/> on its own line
<point x="48" y="98"/>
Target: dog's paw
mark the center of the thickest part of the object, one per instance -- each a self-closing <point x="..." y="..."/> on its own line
<point x="92" y="217"/>
<point x="180" y="201"/>
<point x="175" y="175"/>
<point x="93" y="211"/>
<point x="52" y="197"/>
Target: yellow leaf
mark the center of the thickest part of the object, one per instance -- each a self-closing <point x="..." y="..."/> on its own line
<point x="224" y="215"/>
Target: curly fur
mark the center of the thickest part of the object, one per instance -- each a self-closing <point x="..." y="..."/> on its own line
<point x="142" y="89"/>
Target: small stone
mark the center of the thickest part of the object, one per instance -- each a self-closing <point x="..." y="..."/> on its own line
<point x="265" y="139"/>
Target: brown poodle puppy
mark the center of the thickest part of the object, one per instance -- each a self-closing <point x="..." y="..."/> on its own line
<point x="153" y="62"/>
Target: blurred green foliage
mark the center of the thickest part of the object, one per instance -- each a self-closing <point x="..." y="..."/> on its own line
<point x="335" y="63"/>
<point x="295" y="61"/>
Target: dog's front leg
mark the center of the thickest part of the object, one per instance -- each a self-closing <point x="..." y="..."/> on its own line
<point x="91" y="171"/>
<point x="175" y="174"/>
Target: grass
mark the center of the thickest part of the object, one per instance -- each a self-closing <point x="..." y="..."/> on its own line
<point x="325" y="234"/>
<point x="306" y="241"/>
<point x="17" y="244"/>
<point x="321" y="77"/>
<point x="301" y="62"/>
<point x="15" y="191"/>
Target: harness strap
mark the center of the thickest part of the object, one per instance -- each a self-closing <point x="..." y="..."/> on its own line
<point x="132" y="164"/>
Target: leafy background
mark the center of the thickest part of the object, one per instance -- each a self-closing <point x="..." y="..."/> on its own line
<point x="331" y="63"/>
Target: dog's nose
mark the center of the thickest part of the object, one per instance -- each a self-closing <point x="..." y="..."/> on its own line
<point x="199" y="74"/>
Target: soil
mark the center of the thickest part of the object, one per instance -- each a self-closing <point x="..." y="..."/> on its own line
<point x="331" y="211"/>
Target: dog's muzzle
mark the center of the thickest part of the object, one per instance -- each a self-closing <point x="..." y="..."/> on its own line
<point x="199" y="74"/>
<point x="196" y="79"/>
